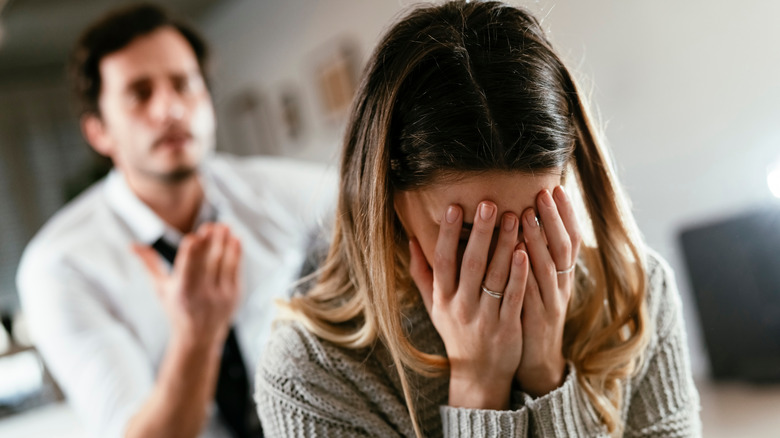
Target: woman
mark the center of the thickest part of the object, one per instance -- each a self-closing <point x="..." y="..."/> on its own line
<point x="460" y="296"/>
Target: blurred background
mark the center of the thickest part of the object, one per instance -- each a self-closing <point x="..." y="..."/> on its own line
<point x="688" y="92"/>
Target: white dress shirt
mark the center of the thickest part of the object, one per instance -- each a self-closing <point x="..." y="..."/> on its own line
<point x="91" y="306"/>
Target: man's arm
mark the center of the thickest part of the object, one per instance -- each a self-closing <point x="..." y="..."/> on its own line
<point x="99" y="363"/>
<point x="104" y="371"/>
<point x="177" y="406"/>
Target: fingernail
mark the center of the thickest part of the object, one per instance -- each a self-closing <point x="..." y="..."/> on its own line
<point x="531" y="220"/>
<point x="452" y="214"/>
<point x="519" y="258"/>
<point x="560" y="194"/>
<point x="547" y="199"/>
<point x="509" y="223"/>
<point x="486" y="211"/>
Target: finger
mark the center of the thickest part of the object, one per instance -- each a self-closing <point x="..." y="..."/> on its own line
<point x="223" y="231"/>
<point x="558" y="242"/>
<point x="532" y="301"/>
<point x="216" y="249"/>
<point x="184" y="254"/>
<point x="516" y="287"/>
<point x="446" y="253"/>
<point x="542" y="266"/>
<point x="472" y="271"/>
<point x="569" y="218"/>
<point x="151" y="260"/>
<point x="501" y="262"/>
<point x="421" y="273"/>
<point x="230" y="264"/>
<point x="204" y="229"/>
<point x="189" y="261"/>
<point x="227" y="262"/>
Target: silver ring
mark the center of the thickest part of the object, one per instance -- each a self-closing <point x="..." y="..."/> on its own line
<point x="492" y="293"/>
<point x="566" y="271"/>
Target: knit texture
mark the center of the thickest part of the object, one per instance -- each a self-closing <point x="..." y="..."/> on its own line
<point x="310" y="387"/>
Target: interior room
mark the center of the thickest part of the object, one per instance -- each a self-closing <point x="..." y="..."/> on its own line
<point x="687" y="94"/>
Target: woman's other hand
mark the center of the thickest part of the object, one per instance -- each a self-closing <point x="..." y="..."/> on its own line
<point x="552" y="249"/>
<point x="482" y="333"/>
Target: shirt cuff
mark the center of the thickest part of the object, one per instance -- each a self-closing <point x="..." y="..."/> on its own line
<point x="463" y="423"/>
<point x="565" y="410"/>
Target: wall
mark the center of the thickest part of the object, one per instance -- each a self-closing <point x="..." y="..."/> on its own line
<point x="690" y="94"/>
<point x="271" y="46"/>
<point x="688" y="90"/>
<point x="41" y="152"/>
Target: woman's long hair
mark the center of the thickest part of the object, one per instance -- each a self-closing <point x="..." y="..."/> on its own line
<point x="463" y="88"/>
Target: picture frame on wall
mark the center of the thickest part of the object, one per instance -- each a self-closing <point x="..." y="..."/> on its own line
<point x="336" y="75"/>
<point x="291" y="114"/>
<point x="251" y="124"/>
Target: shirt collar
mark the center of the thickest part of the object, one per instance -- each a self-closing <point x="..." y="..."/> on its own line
<point x="142" y="221"/>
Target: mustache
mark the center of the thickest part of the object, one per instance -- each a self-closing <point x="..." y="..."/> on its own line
<point x="174" y="133"/>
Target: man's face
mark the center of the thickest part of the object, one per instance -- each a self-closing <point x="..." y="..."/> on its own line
<point x="157" y="119"/>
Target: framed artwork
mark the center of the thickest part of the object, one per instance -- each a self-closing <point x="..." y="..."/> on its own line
<point x="250" y="125"/>
<point x="291" y="114"/>
<point x="336" y="71"/>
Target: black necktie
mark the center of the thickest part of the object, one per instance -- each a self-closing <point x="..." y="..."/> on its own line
<point x="232" y="396"/>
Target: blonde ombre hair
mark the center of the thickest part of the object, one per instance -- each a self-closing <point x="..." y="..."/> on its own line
<point x="461" y="88"/>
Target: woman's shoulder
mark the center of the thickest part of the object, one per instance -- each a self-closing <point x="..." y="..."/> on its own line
<point x="662" y="298"/>
<point x="298" y="367"/>
<point x="296" y="354"/>
<point x="294" y="351"/>
<point x="663" y="395"/>
<point x="303" y="375"/>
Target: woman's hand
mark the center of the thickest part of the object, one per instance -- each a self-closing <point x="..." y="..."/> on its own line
<point x="482" y="334"/>
<point x="553" y="251"/>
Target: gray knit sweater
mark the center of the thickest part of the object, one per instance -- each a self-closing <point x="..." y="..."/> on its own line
<point x="310" y="387"/>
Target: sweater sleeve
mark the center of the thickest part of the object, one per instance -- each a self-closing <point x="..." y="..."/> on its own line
<point x="463" y="423"/>
<point x="565" y="411"/>
<point x="562" y="412"/>
<point x="665" y="402"/>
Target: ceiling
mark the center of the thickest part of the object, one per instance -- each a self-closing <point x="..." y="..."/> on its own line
<point x="37" y="35"/>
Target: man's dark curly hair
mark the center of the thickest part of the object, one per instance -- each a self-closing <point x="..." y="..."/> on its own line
<point x="112" y="33"/>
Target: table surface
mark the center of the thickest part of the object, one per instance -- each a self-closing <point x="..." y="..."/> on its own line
<point x="53" y="420"/>
<point x="739" y="410"/>
<point x="728" y="410"/>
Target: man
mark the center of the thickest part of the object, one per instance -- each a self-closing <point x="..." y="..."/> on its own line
<point x="150" y="296"/>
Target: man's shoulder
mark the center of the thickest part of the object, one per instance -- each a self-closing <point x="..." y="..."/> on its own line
<point x="306" y="191"/>
<point x="75" y="225"/>
<point x="259" y="168"/>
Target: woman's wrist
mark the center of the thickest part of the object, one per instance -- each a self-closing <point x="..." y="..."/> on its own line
<point x="543" y="380"/>
<point x="472" y="394"/>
